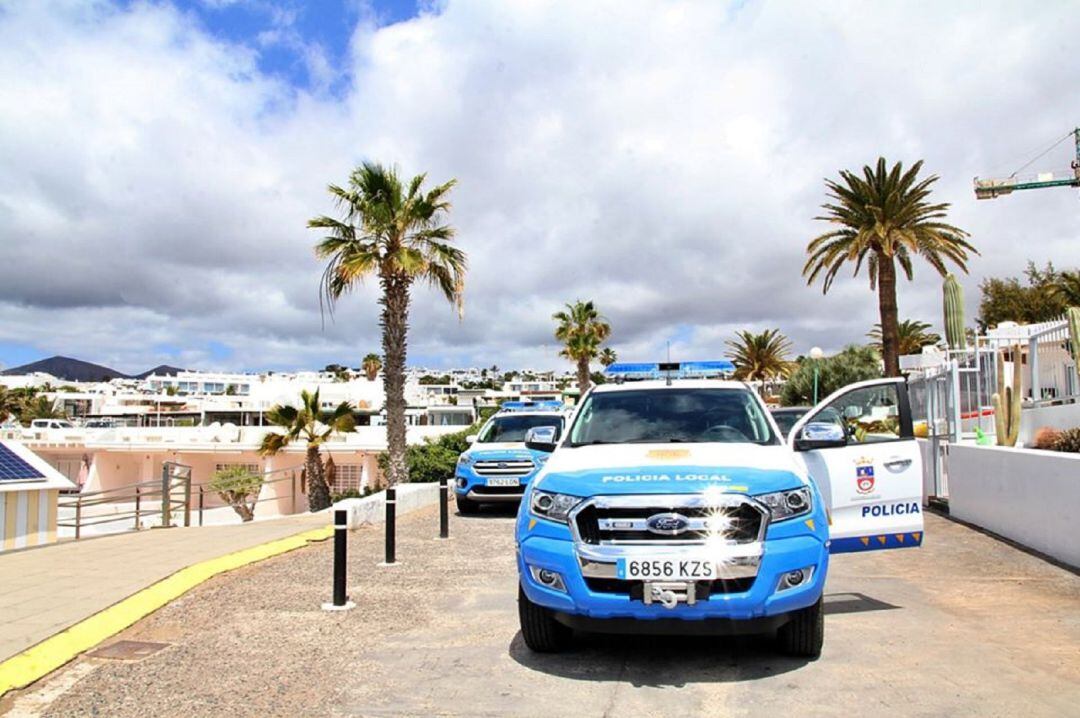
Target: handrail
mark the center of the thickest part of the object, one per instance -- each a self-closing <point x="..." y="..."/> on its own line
<point x="163" y="494"/>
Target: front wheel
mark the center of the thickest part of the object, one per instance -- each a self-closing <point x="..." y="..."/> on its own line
<point x="804" y="634"/>
<point x="542" y="633"/>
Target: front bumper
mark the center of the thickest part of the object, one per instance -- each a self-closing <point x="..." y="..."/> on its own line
<point x="486" y="498"/>
<point x="469" y="485"/>
<point x="756" y="600"/>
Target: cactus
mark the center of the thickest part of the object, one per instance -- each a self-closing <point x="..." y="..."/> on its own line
<point x="1007" y="401"/>
<point x="1068" y="440"/>
<point x="954" y="313"/>
<point x="1073" y="315"/>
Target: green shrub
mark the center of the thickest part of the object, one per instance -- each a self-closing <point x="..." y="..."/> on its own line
<point x="351" y="494"/>
<point x="853" y="364"/>
<point x="433" y="459"/>
<point x="239" y="488"/>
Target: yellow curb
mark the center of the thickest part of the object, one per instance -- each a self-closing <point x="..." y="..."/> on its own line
<point x="45" y="657"/>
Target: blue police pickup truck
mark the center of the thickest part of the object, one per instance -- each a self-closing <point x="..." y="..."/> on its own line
<point x="497" y="465"/>
<point x="676" y="506"/>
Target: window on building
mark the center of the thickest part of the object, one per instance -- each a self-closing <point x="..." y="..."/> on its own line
<point x="251" y="468"/>
<point x="348" y="476"/>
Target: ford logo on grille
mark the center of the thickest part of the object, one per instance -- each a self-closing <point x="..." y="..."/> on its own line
<point x="502" y="464"/>
<point x="667" y="524"/>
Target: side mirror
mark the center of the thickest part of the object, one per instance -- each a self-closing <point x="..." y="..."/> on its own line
<point x="541" y="438"/>
<point x="471" y="438"/>
<point x="820" y="435"/>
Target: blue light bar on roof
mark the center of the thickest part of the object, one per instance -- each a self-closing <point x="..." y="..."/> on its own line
<point x="677" y="370"/>
<point x="531" y="406"/>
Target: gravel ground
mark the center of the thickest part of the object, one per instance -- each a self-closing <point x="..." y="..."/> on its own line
<point x="964" y="626"/>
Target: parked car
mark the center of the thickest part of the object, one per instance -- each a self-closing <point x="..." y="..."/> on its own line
<point x="497" y="465"/>
<point x="787" y="416"/>
<point x="676" y="507"/>
<point x="51" y="424"/>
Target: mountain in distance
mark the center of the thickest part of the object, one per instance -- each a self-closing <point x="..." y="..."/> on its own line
<point x="68" y="369"/>
<point x="160" y="370"/>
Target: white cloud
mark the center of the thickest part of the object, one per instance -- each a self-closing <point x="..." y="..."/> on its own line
<point x="663" y="159"/>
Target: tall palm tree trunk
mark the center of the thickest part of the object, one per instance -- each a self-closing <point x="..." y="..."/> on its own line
<point x="583" y="380"/>
<point x="890" y="331"/>
<point x="318" y="493"/>
<point x="395" y="326"/>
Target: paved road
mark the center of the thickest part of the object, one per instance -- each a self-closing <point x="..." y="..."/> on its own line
<point x="964" y="626"/>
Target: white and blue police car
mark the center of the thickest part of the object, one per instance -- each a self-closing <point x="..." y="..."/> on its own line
<point x="497" y="466"/>
<point x="675" y="505"/>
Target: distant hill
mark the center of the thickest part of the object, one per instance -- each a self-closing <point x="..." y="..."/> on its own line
<point x="162" y="370"/>
<point x="68" y="369"/>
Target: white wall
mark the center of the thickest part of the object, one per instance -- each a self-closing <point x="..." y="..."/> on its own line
<point x="1031" y="497"/>
<point x="1064" y="416"/>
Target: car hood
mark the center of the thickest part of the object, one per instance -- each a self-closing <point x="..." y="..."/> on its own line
<point x="498" y="451"/>
<point x="669" y="469"/>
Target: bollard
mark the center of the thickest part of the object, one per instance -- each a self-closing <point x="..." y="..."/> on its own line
<point x="341" y="602"/>
<point x="391" y="533"/>
<point x="444" y="508"/>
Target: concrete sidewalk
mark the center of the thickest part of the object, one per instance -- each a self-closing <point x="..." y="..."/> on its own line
<point x="46" y="590"/>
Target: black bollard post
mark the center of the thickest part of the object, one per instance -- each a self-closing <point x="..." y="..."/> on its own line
<point x="391" y="534"/>
<point x="444" y="508"/>
<point x="341" y="602"/>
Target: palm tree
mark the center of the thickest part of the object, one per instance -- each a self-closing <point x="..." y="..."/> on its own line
<point x="582" y="330"/>
<point x="309" y="423"/>
<point x="371" y="366"/>
<point x="1067" y="288"/>
<point x="884" y="219"/>
<point x="760" y="357"/>
<point x="608" y="357"/>
<point x="393" y="232"/>
<point x="912" y="336"/>
<point x="9" y="404"/>
<point x="39" y="407"/>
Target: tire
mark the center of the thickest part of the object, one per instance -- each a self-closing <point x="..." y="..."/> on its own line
<point x="542" y="633"/>
<point x="466" y="506"/>
<point x="804" y="634"/>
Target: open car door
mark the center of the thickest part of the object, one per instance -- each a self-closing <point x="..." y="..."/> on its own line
<point x="859" y="448"/>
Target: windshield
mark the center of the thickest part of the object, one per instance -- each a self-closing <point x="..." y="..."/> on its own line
<point x="786" y="419"/>
<point x="671" y="415"/>
<point x="513" y="428"/>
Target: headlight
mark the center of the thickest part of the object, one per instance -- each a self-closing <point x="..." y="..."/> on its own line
<point x="541" y="458"/>
<point x="464" y="460"/>
<point x="788" y="504"/>
<point x="552" y="506"/>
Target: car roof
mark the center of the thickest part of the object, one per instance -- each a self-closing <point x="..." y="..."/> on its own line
<point x="519" y="412"/>
<point x="652" y="384"/>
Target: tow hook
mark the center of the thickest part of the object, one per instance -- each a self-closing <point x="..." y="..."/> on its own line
<point x="670" y="594"/>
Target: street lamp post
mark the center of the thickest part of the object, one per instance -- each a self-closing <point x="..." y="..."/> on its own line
<point x="816" y="354"/>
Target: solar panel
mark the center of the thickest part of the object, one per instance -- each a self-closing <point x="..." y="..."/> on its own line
<point x="14" y="468"/>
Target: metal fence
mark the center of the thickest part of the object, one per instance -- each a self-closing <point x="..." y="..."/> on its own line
<point x="152" y="499"/>
<point x="173" y="500"/>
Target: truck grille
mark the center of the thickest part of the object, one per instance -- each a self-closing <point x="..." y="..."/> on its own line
<point x="609" y="520"/>
<point x="515" y="467"/>
<point x="636" y="589"/>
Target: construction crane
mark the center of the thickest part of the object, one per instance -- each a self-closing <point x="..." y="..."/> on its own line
<point x="991" y="188"/>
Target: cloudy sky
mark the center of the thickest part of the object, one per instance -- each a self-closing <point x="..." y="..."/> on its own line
<point x="158" y="161"/>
